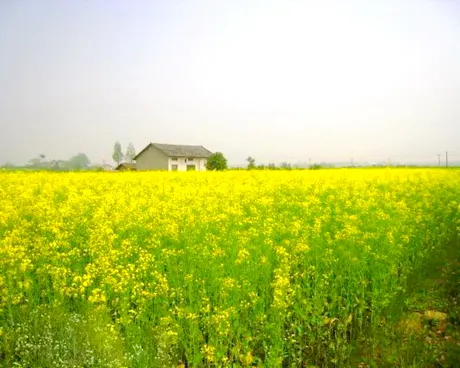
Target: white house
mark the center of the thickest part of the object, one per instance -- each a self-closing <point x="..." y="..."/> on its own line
<point x="172" y="157"/>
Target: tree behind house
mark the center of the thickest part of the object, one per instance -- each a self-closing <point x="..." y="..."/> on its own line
<point x="130" y="153"/>
<point x="117" y="153"/>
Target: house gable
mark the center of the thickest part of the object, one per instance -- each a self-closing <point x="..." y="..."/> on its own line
<point x="151" y="158"/>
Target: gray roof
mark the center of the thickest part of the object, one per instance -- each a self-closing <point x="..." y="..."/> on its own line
<point x="180" y="150"/>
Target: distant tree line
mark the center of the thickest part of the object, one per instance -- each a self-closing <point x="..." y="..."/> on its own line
<point x="78" y="162"/>
<point x="283" y="166"/>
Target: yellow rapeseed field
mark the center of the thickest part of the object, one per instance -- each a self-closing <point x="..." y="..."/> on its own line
<point x="238" y="268"/>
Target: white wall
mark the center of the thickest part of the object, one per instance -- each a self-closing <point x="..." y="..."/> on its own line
<point x="182" y="162"/>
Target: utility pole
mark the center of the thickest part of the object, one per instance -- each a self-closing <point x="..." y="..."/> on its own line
<point x="439" y="159"/>
<point x="447" y="160"/>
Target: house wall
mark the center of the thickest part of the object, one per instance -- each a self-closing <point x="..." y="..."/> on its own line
<point x="152" y="159"/>
<point x="202" y="164"/>
<point x="182" y="162"/>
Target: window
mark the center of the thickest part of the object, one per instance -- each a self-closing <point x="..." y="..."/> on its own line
<point x="191" y="167"/>
<point x="174" y="167"/>
<point x="190" y="159"/>
<point x="174" y="159"/>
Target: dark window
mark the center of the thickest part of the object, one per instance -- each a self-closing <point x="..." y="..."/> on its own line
<point x="191" y="167"/>
<point x="173" y="167"/>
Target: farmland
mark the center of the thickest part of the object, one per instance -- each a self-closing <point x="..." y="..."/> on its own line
<point x="240" y="268"/>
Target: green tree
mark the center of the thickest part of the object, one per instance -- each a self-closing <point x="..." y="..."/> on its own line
<point x="251" y="162"/>
<point x="217" y="161"/>
<point x="130" y="152"/>
<point x="38" y="162"/>
<point x="286" y="166"/>
<point x="117" y="153"/>
<point x="78" y="162"/>
<point x="8" y="165"/>
<point x="35" y="162"/>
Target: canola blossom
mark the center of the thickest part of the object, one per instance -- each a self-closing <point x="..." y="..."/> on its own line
<point x="240" y="268"/>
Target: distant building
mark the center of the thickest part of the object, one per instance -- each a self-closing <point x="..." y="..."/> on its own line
<point x="172" y="157"/>
<point x="106" y="167"/>
<point x="126" y="166"/>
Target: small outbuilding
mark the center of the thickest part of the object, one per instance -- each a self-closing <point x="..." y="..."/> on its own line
<point x="126" y="166"/>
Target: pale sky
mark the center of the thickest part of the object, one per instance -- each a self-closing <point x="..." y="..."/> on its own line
<point x="281" y="80"/>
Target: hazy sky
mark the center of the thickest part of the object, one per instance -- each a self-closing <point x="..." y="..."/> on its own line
<point x="277" y="80"/>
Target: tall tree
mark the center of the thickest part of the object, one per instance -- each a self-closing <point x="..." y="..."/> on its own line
<point x="217" y="161"/>
<point x="130" y="153"/>
<point x="251" y="162"/>
<point x="117" y="153"/>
